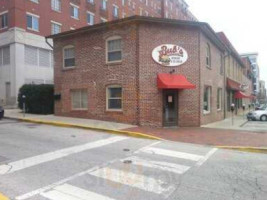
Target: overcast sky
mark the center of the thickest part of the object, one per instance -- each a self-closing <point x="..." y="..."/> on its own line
<point x="243" y="22"/>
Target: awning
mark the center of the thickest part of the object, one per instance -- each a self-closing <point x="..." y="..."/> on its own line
<point x="174" y="81"/>
<point x="233" y="85"/>
<point x="241" y="95"/>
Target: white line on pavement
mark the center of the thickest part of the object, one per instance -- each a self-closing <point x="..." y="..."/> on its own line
<point x="164" y="166"/>
<point x="134" y="180"/>
<point x="206" y="157"/>
<point x="36" y="160"/>
<point x="175" y="154"/>
<point x="70" y="192"/>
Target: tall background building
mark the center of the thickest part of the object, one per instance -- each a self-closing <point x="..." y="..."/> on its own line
<point x="26" y="57"/>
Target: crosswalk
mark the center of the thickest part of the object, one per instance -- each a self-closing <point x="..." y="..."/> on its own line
<point x="163" y="161"/>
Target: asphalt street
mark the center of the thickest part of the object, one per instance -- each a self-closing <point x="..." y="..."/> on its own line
<point x="40" y="162"/>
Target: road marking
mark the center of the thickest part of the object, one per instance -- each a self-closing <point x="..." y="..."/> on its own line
<point x="175" y="154"/>
<point x="164" y="166"/>
<point x="206" y="157"/>
<point x="69" y="192"/>
<point x="36" y="160"/>
<point x="3" y="197"/>
<point x="134" y="180"/>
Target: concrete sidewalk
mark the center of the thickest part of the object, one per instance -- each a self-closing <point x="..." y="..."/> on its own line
<point x="17" y="114"/>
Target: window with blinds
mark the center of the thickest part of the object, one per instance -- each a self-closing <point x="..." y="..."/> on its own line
<point x="4" y="56"/>
<point x="79" y="99"/>
<point x="114" y="50"/>
<point x="38" y="57"/>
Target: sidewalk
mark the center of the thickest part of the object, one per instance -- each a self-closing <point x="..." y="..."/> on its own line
<point x="217" y="134"/>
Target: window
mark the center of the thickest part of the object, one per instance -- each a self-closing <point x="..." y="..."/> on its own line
<point x="219" y="99"/>
<point x="114" y="51"/>
<point x="222" y="65"/>
<point x="104" y="5"/>
<point x="56" y="5"/>
<point x="123" y="2"/>
<point x="33" y="22"/>
<point x="207" y="100"/>
<point x="114" y="98"/>
<point x="79" y="99"/>
<point x="55" y="27"/>
<point x="38" y="57"/>
<point x="74" y="11"/>
<point x="90" y="18"/>
<point x="115" y="11"/>
<point x="4" y="56"/>
<point x="208" y="56"/>
<point x="90" y="1"/>
<point x="4" y="20"/>
<point x="69" y="57"/>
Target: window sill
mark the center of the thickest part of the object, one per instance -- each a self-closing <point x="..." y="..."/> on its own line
<point x="75" y="18"/>
<point x="114" y="110"/>
<point x="6" y="27"/>
<point x="208" y="67"/>
<point x="30" y="29"/>
<point x="68" y="68"/>
<point x="206" y="112"/>
<point x="219" y="110"/>
<point x="58" y="11"/>
<point x="79" y="109"/>
<point x="114" y="63"/>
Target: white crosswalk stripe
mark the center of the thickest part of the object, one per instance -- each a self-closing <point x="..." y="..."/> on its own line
<point x="134" y="180"/>
<point x="164" y="166"/>
<point x="70" y="192"/>
<point x="169" y="153"/>
<point x="36" y="160"/>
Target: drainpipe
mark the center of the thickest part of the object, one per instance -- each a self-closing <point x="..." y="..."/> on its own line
<point x="225" y="87"/>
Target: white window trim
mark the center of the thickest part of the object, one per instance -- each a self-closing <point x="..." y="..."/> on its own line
<point x="60" y="9"/>
<point x="37" y="2"/>
<point x="114" y="5"/>
<point x="107" y="98"/>
<point x="33" y="15"/>
<point x="73" y="5"/>
<point x="103" y="19"/>
<point x="63" y="53"/>
<point x="88" y="12"/>
<point x="57" y="23"/>
<point x="4" y="12"/>
<point x="107" y="40"/>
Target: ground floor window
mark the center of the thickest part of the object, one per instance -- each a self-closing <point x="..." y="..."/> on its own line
<point x="114" y="98"/>
<point x="207" y="100"/>
<point x="79" y="99"/>
<point x="219" y="99"/>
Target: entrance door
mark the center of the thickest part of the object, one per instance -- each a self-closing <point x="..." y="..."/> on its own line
<point x="170" y="108"/>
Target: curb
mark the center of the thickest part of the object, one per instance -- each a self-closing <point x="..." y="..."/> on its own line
<point x="62" y="124"/>
<point x="3" y="197"/>
<point x="245" y="149"/>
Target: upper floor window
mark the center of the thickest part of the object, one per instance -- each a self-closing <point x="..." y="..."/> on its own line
<point x="222" y="65"/>
<point x="91" y="1"/>
<point x="32" y="22"/>
<point x="115" y="11"/>
<point x="114" y="49"/>
<point x="123" y="2"/>
<point x="56" y="5"/>
<point x="104" y="4"/>
<point x="69" y="57"/>
<point x="34" y="56"/>
<point x="74" y="11"/>
<point x="90" y="18"/>
<point x="55" y="27"/>
<point x="208" y="56"/>
<point x="3" y="20"/>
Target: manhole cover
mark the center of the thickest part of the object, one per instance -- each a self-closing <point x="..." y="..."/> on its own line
<point x="127" y="161"/>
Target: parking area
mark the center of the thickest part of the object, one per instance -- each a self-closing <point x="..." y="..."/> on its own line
<point x="258" y="126"/>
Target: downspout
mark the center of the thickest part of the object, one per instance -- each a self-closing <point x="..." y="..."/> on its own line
<point x="225" y="87"/>
<point x="137" y="76"/>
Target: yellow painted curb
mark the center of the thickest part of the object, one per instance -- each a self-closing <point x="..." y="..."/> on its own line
<point x="246" y="149"/>
<point x="62" y="124"/>
<point x="2" y="197"/>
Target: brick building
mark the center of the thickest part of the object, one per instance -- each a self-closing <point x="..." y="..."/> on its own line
<point x="25" y="57"/>
<point x="141" y="70"/>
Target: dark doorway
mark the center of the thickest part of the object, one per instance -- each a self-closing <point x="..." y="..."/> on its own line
<point x="170" y="108"/>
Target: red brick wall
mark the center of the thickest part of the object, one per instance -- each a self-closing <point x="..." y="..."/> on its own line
<point x="211" y="77"/>
<point x="151" y="106"/>
<point x="94" y="74"/>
